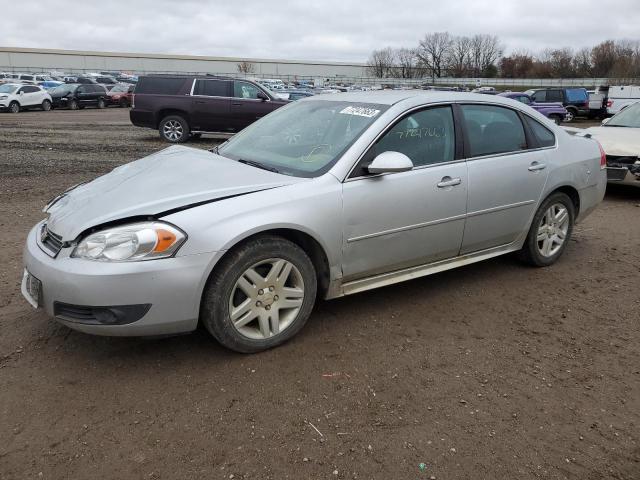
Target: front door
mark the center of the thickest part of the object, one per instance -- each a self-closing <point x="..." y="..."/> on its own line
<point x="399" y="220"/>
<point x="246" y="107"/>
<point x="506" y="177"/>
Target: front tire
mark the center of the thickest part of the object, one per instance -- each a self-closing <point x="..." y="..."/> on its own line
<point x="260" y="295"/>
<point x="550" y="231"/>
<point x="174" y="129"/>
<point x="123" y="103"/>
<point x="14" y="107"/>
<point x="73" y="105"/>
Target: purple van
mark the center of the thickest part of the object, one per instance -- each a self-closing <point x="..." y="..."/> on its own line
<point x="554" y="111"/>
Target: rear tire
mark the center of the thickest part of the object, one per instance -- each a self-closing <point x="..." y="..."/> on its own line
<point x="14" y="107"/>
<point x="46" y="106"/>
<point x="550" y="231"/>
<point x="174" y="129"/>
<point x="282" y="285"/>
<point x="556" y="118"/>
<point x="571" y="115"/>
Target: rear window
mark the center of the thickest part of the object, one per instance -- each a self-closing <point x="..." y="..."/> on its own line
<point x="577" y="95"/>
<point x="160" y="85"/>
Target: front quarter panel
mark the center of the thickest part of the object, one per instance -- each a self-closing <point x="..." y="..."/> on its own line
<point x="313" y="207"/>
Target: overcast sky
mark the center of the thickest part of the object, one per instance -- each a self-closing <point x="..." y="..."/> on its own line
<point x="339" y="30"/>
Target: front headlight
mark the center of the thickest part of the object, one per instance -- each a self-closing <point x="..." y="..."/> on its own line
<point x="4" y="97"/>
<point x="129" y="243"/>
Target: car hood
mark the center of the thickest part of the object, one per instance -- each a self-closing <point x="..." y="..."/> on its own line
<point x="172" y="179"/>
<point x="619" y="141"/>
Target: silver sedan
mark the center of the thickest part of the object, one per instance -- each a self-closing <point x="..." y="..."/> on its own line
<point x="328" y="196"/>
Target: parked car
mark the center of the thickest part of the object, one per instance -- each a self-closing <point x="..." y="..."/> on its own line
<point x="598" y="102"/>
<point x="554" y="111"/>
<point x="298" y="94"/>
<point x="49" y="84"/>
<point x="575" y="100"/>
<point x="121" y="94"/>
<point x="15" y="97"/>
<point x="620" y="97"/>
<point x="75" y="96"/>
<point x="83" y="80"/>
<point x="620" y="139"/>
<point x="328" y="196"/>
<point x="180" y="106"/>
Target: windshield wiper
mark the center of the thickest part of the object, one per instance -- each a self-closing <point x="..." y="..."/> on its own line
<point x="259" y="165"/>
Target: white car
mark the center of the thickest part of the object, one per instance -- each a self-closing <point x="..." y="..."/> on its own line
<point x="620" y="97"/>
<point x="15" y="97"/>
<point x="620" y="140"/>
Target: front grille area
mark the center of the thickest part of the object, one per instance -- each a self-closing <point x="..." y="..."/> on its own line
<point x="114" y="315"/>
<point x="50" y="243"/>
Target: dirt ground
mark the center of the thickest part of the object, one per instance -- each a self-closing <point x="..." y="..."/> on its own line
<point x="492" y="371"/>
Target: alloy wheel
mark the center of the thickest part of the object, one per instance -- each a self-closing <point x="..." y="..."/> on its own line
<point x="266" y="299"/>
<point x="173" y="130"/>
<point x="14" y="107"/>
<point x="552" y="231"/>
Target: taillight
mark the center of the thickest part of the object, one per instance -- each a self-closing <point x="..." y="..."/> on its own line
<point x="603" y="157"/>
<point x="609" y="103"/>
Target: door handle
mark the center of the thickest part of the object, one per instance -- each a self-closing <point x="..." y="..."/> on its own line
<point x="200" y="102"/>
<point x="237" y="104"/>
<point x="449" y="182"/>
<point x="537" y="166"/>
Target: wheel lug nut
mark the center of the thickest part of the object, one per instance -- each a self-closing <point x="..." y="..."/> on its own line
<point x="258" y="304"/>
<point x="268" y="307"/>
<point x="260" y="292"/>
<point x="271" y="289"/>
<point x="275" y="297"/>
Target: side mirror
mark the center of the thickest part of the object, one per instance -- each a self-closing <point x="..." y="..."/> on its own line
<point x="262" y="96"/>
<point x="21" y="92"/>
<point x="605" y="121"/>
<point x="390" y="162"/>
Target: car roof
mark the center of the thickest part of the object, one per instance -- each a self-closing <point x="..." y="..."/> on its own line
<point x="392" y="97"/>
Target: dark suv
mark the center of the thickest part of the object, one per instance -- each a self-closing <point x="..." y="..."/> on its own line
<point x="575" y="100"/>
<point x="74" y="96"/>
<point x="184" y="106"/>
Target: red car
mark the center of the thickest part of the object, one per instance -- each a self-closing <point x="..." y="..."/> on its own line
<point x="121" y="94"/>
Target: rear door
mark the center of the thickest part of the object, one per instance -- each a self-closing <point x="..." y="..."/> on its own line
<point x="246" y="107"/>
<point x="210" y="105"/>
<point x="507" y="174"/>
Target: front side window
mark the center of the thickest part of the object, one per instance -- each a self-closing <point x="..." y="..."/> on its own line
<point x="303" y="139"/>
<point x="493" y="130"/>
<point x="211" y="88"/>
<point x="426" y="137"/>
<point x="245" y="90"/>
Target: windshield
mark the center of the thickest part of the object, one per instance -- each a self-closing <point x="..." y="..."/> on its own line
<point x="63" y="89"/>
<point x="303" y="139"/>
<point x="8" y="88"/>
<point x="629" y="117"/>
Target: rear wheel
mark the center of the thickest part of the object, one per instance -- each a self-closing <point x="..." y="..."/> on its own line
<point x="174" y="129"/>
<point x="260" y="295"/>
<point x="14" y="107"/>
<point x="550" y="231"/>
<point x="570" y="116"/>
<point x="46" y="105"/>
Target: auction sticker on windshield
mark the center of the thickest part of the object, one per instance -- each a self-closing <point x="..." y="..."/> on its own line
<point x="360" y="111"/>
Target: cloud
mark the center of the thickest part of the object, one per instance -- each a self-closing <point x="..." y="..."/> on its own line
<point x="329" y="30"/>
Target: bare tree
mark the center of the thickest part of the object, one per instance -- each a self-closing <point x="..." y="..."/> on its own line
<point x="433" y="51"/>
<point x="246" y="67"/>
<point x="381" y="62"/>
<point x="485" y="51"/>
<point x="561" y="63"/>
<point x="582" y="63"/>
<point x="603" y="58"/>
<point x="459" y="56"/>
<point x="406" y="63"/>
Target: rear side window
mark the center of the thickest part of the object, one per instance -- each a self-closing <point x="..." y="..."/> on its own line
<point x="212" y="88"/>
<point x="540" y="96"/>
<point x="426" y="137"/>
<point x="543" y="135"/>
<point x="577" y="95"/>
<point x="493" y="130"/>
<point x="159" y="85"/>
<point x="555" y="96"/>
